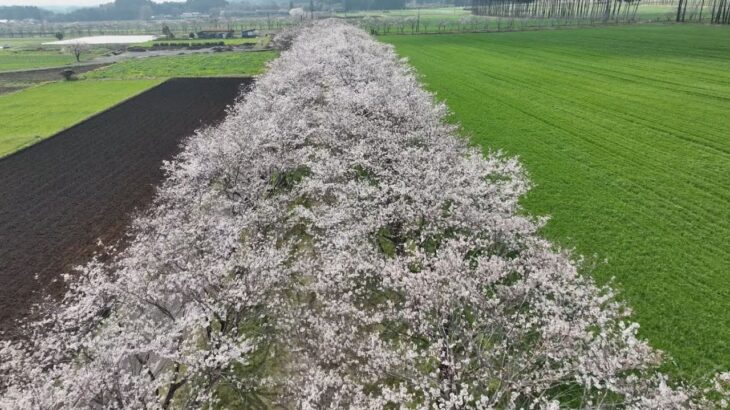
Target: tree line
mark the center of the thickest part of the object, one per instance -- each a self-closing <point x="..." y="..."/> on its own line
<point x="23" y="13"/>
<point x="120" y="10"/>
<point x="595" y="10"/>
<point x="718" y="13"/>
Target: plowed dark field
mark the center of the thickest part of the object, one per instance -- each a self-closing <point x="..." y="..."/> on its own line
<point x="59" y="196"/>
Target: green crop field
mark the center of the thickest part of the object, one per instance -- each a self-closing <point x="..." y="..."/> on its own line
<point x="192" y="65"/>
<point x="237" y="41"/>
<point x="25" y="42"/>
<point x="625" y="132"/>
<point x="26" y="53"/>
<point x="30" y="115"/>
<point x="26" y="60"/>
<point x="39" y="112"/>
<point x="461" y="20"/>
<point x="661" y="12"/>
<point x="441" y="12"/>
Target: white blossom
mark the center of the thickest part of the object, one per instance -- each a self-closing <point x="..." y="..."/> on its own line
<point x="334" y="244"/>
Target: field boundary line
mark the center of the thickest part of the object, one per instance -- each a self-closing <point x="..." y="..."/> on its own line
<point x="529" y="29"/>
<point x="124" y="101"/>
<point x="32" y="144"/>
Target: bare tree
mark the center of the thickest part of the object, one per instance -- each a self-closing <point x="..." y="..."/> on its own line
<point x="680" y="7"/>
<point x="77" y="49"/>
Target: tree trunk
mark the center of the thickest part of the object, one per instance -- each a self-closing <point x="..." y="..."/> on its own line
<point x="679" y="10"/>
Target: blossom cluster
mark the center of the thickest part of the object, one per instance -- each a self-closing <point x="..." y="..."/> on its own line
<point x="335" y="244"/>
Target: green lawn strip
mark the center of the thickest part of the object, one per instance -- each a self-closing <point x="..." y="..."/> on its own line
<point x="14" y="60"/>
<point x="622" y="132"/>
<point x="25" y="42"/>
<point x="196" y="41"/>
<point x="36" y="113"/>
<point x="28" y="53"/>
<point x="191" y="65"/>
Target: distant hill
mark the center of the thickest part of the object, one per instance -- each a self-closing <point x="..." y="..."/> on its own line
<point x="117" y="10"/>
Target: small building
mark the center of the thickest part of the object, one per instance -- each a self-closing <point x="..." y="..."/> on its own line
<point x="193" y="15"/>
<point x="250" y="33"/>
<point x="215" y="33"/>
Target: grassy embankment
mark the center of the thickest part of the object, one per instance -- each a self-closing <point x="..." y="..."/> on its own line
<point x="624" y="132"/>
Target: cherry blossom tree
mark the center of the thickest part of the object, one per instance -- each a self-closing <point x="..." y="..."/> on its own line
<point x="334" y="244"/>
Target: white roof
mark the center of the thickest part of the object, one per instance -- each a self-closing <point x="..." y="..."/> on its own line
<point x="104" y="40"/>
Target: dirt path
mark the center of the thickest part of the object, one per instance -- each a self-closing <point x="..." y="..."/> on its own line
<point x="59" y="196"/>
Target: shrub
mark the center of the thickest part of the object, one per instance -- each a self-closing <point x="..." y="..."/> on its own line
<point x="68" y="74"/>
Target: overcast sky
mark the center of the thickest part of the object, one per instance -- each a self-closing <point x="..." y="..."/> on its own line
<point x="57" y="3"/>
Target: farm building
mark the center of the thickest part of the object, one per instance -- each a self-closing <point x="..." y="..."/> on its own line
<point x="250" y="33"/>
<point x="193" y="15"/>
<point x="215" y="33"/>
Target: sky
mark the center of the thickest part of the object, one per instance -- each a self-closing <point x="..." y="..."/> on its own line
<point x="55" y="3"/>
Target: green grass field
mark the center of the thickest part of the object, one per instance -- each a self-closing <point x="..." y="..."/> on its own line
<point x="658" y="12"/>
<point x="24" y="41"/>
<point x="461" y="20"/>
<point x="192" y="65"/>
<point x="26" y="53"/>
<point x="227" y="41"/>
<point x="30" y="115"/>
<point x="36" y="113"/>
<point x="455" y="13"/>
<point x="443" y="12"/>
<point x="624" y="131"/>
<point x="11" y="60"/>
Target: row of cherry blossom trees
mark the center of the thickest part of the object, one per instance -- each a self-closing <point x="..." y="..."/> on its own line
<point x="334" y="244"/>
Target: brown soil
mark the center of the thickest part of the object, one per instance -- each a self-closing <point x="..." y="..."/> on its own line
<point x="9" y="89"/>
<point x="59" y="196"/>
